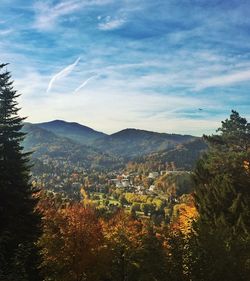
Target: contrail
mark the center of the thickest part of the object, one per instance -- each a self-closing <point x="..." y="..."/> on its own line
<point x="66" y="71"/>
<point x="85" y="83"/>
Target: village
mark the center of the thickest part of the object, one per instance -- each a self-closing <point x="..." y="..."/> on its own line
<point x="153" y="193"/>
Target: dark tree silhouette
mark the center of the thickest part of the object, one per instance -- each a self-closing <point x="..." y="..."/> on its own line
<point x="19" y="223"/>
<point x="222" y="244"/>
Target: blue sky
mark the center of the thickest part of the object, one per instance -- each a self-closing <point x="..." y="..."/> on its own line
<point x="112" y="64"/>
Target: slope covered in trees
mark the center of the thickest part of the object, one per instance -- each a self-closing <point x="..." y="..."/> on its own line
<point x="184" y="156"/>
<point x="61" y="139"/>
<point x="46" y="144"/>
<point x="132" y="143"/>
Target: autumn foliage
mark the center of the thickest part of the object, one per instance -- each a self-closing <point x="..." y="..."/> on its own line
<point x="71" y="242"/>
<point x="77" y="244"/>
<point x="184" y="214"/>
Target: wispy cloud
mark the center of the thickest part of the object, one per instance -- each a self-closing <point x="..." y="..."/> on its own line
<point x="6" y="32"/>
<point x="85" y="83"/>
<point x="11" y="19"/>
<point x="63" y="73"/>
<point x="48" y="14"/>
<point x="111" y="24"/>
<point x="224" y="80"/>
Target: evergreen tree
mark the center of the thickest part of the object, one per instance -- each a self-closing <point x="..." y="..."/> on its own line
<point x="151" y="257"/>
<point x="221" y="247"/>
<point x="19" y="223"/>
<point x="177" y="257"/>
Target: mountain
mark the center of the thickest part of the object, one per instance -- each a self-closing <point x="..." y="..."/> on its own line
<point x="76" y="142"/>
<point x="131" y="143"/>
<point x="46" y="144"/>
<point x="184" y="155"/>
<point x="71" y="130"/>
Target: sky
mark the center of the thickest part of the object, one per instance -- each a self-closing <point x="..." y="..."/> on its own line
<point x="175" y="66"/>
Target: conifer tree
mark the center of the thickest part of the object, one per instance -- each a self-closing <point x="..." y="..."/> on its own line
<point x="223" y="177"/>
<point x="221" y="249"/>
<point x="152" y="260"/>
<point x="19" y="223"/>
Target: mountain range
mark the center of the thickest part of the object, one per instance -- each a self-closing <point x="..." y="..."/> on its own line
<point x="77" y="142"/>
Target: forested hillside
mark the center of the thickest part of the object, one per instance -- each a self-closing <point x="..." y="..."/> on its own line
<point x="184" y="156"/>
<point x="46" y="144"/>
<point x="132" y="143"/>
<point x="79" y="143"/>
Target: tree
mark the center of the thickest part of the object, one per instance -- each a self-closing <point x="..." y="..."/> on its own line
<point x="222" y="177"/>
<point x="123" y="200"/>
<point x="147" y="208"/>
<point x="222" y="193"/>
<point x="19" y="223"/>
<point x="184" y="215"/>
<point x="177" y="254"/>
<point x="72" y="241"/>
<point x="152" y="258"/>
<point x="123" y="239"/>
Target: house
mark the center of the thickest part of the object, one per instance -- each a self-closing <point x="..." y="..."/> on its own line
<point x="76" y="185"/>
<point x="152" y="188"/>
<point x="125" y="183"/>
<point x="153" y="175"/>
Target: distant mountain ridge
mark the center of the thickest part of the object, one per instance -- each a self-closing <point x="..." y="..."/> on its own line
<point x="72" y="130"/>
<point x="81" y="143"/>
<point x="135" y="142"/>
<point x="137" y="132"/>
<point x="44" y="143"/>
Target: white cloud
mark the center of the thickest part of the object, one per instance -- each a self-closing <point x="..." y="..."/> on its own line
<point x="63" y="73"/>
<point x="224" y="80"/>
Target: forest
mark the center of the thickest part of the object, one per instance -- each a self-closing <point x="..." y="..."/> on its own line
<point x="206" y="236"/>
